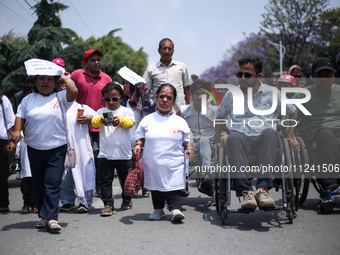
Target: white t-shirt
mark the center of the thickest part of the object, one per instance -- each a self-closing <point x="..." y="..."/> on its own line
<point x="115" y="142"/>
<point x="44" y="123"/>
<point x="10" y="118"/>
<point x="163" y="154"/>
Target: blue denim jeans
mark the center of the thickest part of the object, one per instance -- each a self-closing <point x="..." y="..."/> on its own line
<point x="67" y="195"/>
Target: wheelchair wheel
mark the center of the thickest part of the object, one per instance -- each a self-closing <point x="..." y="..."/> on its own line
<point x="222" y="201"/>
<point x="292" y="207"/>
<point x="217" y="195"/>
<point x="302" y="187"/>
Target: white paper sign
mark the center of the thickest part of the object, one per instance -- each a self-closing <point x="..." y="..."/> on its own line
<point x="130" y="75"/>
<point x="37" y="66"/>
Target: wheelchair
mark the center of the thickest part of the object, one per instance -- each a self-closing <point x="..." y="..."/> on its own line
<point x="307" y="157"/>
<point x="224" y="185"/>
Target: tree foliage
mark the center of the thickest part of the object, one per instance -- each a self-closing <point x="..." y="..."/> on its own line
<point x="44" y="40"/>
<point x="306" y="29"/>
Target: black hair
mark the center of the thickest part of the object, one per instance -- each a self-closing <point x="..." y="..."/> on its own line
<point x="35" y="78"/>
<point x="110" y="70"/>
<point x="220" y="81"/>
<point x="174" y="92"/>
<point x="1" y="98"/>
<point x="27" y="79"/>
<point x="199" y="84"/>
<point x="166" y="39"/>
<point x="257" y="62"/>
<point x="111" y="86"/>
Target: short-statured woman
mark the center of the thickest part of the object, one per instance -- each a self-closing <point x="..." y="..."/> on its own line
<point x="45" y="137"/>
<point x="164" y="136"/>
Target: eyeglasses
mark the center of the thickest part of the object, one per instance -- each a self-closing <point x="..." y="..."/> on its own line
<point x="246" y="75"/>
<point x="108" y="99"/>
<point x="297" y="76"/>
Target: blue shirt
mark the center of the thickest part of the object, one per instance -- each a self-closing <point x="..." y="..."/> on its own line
<point x="249" y="123"/>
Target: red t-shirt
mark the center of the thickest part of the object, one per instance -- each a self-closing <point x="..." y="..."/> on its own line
<point x="90" y="89"/>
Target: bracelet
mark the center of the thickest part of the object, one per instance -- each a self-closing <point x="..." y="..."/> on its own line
<point x="190" y="148"/>
<point x="139" y="143"/>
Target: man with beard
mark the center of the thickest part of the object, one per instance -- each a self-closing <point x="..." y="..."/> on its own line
<point x="90" y="81"/>
<point x="259" y="136"/>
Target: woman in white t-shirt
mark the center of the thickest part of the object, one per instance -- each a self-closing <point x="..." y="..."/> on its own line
<point x="164" y="136"/>
<point x="7" y="110"/>
<point x="46" y="141"/>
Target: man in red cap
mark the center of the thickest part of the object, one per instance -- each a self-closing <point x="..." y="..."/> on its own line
<point x="90" y="81"/>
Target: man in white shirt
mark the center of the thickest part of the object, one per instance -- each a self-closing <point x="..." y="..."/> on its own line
<point x="169" y="71"/>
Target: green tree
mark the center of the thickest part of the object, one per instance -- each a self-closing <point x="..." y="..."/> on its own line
<point x="328" y="42"/>
<point x="294" y="22"/>
<point x="44" y="40"/>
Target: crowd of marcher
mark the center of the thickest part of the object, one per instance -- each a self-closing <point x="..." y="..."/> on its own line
<point x="161" y="120"/>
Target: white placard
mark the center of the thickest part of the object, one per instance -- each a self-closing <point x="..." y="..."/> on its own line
<point x="36" y="66"/>
<point x="130" y="75"/>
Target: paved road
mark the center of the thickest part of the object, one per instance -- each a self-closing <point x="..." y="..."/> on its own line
<point x="130" y="232"/>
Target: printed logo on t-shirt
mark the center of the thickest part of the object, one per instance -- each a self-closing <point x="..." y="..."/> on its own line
<point x="175" y="132"/>
<point x="54" y="106"/>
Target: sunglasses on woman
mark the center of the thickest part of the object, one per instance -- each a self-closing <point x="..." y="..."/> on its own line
<point x="108" y="99"/>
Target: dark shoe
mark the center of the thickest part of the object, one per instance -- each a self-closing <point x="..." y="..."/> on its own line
<point x="4" y="209"/>
<point x="34" y="209"/>
<point x="146" y="193"/>
<point x="207" y="184"/>
<point x="66" y="207"/>
<point x="127" y="204"/>
<point x="25" y="209"/>
<point x="82" y="209"/>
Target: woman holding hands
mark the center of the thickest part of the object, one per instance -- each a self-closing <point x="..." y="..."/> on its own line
<point x="165" y="137"/>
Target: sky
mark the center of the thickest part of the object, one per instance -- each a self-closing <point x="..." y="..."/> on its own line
<point x="202" y="31"/>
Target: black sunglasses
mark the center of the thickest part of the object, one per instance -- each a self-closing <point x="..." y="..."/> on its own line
<point x="246" y="75"/>
<point x="108" y="99"/>
<point x="297" y="76"/>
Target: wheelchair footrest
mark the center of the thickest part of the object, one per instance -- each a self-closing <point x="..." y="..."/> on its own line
<point x="276" y="208"/>
<point x="244" y="210"/>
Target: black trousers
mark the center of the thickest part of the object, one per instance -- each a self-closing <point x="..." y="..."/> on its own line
<point x="27" y="190"/>
<point x="173" y="198"/>
<point x="4" y="174"/>
<point x="106" y="170"/>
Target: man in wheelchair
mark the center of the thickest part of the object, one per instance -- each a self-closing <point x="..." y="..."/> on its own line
<point x="251" y="133"/>
<point x="202" y="129"/>
<point x="323" y="125"/>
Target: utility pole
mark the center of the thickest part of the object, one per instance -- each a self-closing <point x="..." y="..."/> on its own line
<point x="282" y="51"/>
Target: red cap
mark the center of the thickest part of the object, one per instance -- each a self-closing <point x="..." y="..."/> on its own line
<point x="89" y="52"/>
<point x="59" y="62"/>
<point x="287" y="78"/>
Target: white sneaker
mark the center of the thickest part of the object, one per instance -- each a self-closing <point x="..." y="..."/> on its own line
<point x="157" y="214"/>
<point x="177" y="215"/>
